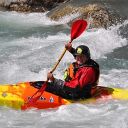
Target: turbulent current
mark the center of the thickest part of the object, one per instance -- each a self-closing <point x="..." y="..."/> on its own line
<point x="30" y="44"/>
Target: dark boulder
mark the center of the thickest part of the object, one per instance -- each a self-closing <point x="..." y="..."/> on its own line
<point x="34" y="5"/>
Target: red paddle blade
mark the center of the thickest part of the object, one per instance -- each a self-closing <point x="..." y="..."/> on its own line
<point x="77" y="28"/>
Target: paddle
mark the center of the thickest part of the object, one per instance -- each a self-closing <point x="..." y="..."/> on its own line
<point x="77" y="29"/>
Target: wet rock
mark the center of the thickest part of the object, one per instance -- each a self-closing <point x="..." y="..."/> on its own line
<point x="1" y="3"/>
<point x="34" y="5"/>
<point x="61" y="12"/>
<point x="96" y="14"/>
<point x="24" y="7"/>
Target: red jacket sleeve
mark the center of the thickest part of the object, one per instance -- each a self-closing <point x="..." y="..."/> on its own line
<point x="83" y="77"/>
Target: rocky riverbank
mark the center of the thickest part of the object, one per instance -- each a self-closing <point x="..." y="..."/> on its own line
<point x="96" y="14"/>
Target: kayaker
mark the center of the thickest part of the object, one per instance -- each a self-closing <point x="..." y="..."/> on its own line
<point x="81" y="78"/>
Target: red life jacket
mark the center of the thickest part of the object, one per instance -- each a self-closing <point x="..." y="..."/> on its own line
<point x="73" y="68"/>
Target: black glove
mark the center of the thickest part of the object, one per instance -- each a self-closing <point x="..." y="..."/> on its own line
<point x="37" y="84"/>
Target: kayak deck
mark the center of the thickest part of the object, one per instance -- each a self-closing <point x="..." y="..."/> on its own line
<point x="17" y="95"/>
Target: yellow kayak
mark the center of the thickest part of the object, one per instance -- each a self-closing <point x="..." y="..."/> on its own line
<point x="17" y="95"/>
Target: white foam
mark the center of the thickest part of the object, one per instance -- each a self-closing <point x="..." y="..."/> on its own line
<point x="115" y="78"/>
<point x="32" y="19"/>
<point x="25" y="20"/>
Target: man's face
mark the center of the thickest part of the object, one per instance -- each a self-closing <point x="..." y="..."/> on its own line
<point x="81" y="59"/>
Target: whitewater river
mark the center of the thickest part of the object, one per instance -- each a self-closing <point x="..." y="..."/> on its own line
<point x="30" y="44"/>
